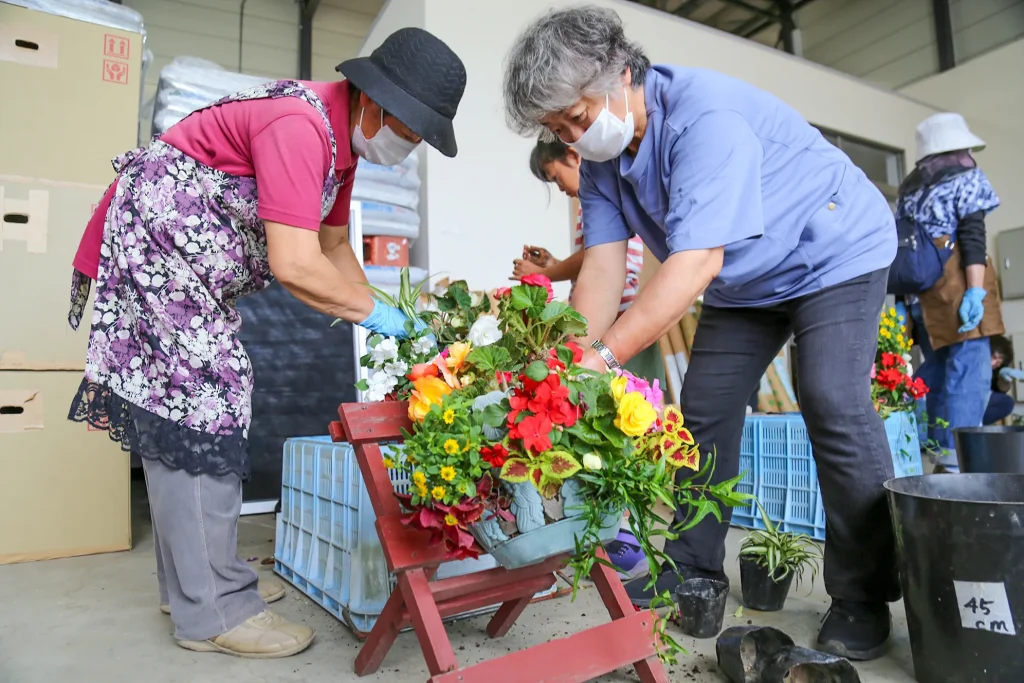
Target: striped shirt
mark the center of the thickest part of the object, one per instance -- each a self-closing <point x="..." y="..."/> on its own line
<point x="634" y="262"/>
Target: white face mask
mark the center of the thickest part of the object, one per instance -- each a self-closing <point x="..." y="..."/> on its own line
<point x="608" y="136"/>
<point x="386" y="148"/>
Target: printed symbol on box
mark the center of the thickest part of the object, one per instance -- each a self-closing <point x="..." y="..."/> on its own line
<point x="984" y="606"/>
<point x="24" y="221"/>
<point x="115" y="46"/>
<point x="115" y="72"/>
<point x="394" y="251"/>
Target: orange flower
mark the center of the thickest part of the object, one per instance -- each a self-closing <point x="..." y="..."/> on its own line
<point x="457" y="353"/>
<point x="422" y="370"/>
<point x="449" y="377"/>
<point x="427" y="392"/>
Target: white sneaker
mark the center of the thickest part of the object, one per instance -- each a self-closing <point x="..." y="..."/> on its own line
<point x="264" y="636"/>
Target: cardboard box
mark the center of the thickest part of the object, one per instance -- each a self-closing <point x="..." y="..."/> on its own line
<point x="41" y="224"/>
<point x="71" y="93"/>
<point x="381" y="250"/>
<point x="64" y="487"/>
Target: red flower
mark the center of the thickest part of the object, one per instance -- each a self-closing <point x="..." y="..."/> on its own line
<point x="535" y="432"/>
<point x="577" y="351"/>
<point x="502" y="377"/>
<point x="538" y="280"/>
<point x="447" y="524"/>
<point x="422" y="370"/>
<point x="501" y="292"/>
<point x="917" y="387"/>
<point x="891" y="360"/>
<point x="890" y="379"/>
<point x="495" y="455"/>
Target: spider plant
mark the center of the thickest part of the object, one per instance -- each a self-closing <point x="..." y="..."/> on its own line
<point x="781" y="553"/>
<point x="406" y="299"/>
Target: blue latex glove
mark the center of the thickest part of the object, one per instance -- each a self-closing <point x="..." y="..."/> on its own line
<point x="389" y="321"/>
<point x="971" y="310"/>
<point x="1011" y="374"/>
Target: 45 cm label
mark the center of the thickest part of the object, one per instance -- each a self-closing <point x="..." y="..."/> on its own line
<point x="984" y="606"/>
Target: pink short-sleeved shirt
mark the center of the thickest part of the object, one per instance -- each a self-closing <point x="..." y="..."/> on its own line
<point x="281" y="142"/>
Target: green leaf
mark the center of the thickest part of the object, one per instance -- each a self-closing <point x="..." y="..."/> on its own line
<point x="362" y="385"/>
<point x="610" y="432"/>
<point x="560" y="465"/>
<point x="553" y="310"/>
<point x="515" y="470"/>
<point x="585" y="432"/>
<point x="537" y="371"/>
<point x="520" y="298"/>
<point x="564" y="354"/>
<point x="459" y="291"/>
<point x="495" y="415"/>
<point x="489" y="358"/>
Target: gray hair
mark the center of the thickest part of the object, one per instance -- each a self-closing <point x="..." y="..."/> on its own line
<point x="563" y="56"/>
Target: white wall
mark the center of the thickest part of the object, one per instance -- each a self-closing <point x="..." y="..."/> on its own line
<point x="989" y="92"/>
<point x="210" y="29"/>
<point x="892" y="42"/>
<point x="482" y="206"/>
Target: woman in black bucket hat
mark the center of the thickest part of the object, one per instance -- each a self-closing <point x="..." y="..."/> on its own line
<point x="251" y="188"/>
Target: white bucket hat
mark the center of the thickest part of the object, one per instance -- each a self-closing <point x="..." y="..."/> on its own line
<point x="946" y="132"/>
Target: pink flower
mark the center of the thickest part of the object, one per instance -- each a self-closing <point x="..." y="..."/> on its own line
<point x="501" y="292"/>
<point x="872" y="371"/>
<point x="538" y="280"/>
<point x="652" y="392"/>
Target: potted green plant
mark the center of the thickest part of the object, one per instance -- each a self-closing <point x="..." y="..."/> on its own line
<point x="769" y="561"/>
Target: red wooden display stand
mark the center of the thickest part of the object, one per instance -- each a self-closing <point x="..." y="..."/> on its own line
<point x="628" y="639"/>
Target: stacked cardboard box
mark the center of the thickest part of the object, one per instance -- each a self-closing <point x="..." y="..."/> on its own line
<point x="71" y="104"/>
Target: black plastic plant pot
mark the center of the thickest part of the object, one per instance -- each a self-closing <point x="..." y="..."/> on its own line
<point x="701" y="606"/>
<point x="760" y="590"/>
<point x="990" y="450"/>
<point x="961" y="558"/>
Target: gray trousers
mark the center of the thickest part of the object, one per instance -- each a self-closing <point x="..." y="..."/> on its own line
<point x="195" y="531"/>
<point x="836" y="333"/>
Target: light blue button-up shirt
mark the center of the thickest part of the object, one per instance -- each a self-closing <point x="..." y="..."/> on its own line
<point x="725" y="164"/>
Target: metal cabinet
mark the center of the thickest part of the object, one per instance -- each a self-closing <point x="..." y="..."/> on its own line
<point x="1010" y="251"/>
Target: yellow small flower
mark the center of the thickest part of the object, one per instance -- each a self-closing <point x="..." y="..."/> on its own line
<point x="448" y="473"/>
<point x="451" y="520"/>
<point x="899" y="338"/>
<point x="419" y="479"/>
<point x="910" y="342"/>
<point x="449" y="416"/>
<point x="451" y="446"/>
<point x="619" y="388"/>
<point x="437" y="492"/>
<point x="421" y="491"/>
<point x="892" y="312"/>
<point x="389" y="463"/>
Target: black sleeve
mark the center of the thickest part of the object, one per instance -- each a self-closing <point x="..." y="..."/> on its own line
<point x="971" y="235"/>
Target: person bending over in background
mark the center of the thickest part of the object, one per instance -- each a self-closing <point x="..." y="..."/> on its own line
<point x="558" y="163"/>
<point x="741" y="199"/>
<point x="1000" y="403"/>
<point x="248" y="189"/>
<point x="950" y="196"/>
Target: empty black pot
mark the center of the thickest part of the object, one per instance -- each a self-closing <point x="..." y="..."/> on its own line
<point x="990" y="450"/>
<point x="701" y="606"/>
<point x="760" y="590"/>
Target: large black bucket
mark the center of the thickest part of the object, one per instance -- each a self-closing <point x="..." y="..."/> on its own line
<point x="961" y="549"/>
<point x="984" y="450"/>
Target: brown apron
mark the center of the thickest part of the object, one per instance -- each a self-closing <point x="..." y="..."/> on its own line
<point x="940" y="305"/>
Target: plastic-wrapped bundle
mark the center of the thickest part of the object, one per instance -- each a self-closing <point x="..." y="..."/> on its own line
<point x="100" y="12"/>
<point x="398" y="185"/>
<point x="190" y="83"/>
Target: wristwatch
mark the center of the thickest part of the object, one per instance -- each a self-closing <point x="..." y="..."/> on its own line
<point x="606" y="355"/>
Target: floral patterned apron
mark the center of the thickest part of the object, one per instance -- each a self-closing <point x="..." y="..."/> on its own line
<point x="165" y="372"/>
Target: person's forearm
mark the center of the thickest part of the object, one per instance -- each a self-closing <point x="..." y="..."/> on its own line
<point x="663" y="301"/>
<point x="335" y="246"/>
<point x="569" y="269"/>
<point x="599" y="288"/>
<point x="975" y="276"/>
<point x="319" y="284"/>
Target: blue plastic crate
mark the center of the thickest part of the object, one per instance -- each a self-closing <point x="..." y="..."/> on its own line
<point x="778" y="467"/>
<point x="327" y="544"/>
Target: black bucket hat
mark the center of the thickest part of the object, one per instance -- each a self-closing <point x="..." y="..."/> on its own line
<point x="417" y="79"/>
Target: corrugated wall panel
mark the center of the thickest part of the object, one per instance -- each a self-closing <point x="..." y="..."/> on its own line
<point x="339" y="29"/>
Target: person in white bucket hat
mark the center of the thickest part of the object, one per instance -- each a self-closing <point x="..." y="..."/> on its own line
<point x="945" y="132"/>
<point x="950" y="197"/>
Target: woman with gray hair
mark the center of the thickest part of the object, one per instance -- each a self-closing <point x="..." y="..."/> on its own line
<point x="739" y="198"/>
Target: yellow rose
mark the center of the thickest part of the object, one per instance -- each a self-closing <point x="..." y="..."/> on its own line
<point x="427" y="391"/>
<point x="635" y="415"/>
<point x="619" y="388"/>
<point x="457" y="353"/>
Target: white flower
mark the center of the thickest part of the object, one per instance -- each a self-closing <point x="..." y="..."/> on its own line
<point x="380" y="385"/>
<point x="396" y="368"/>
<point x="592" y="461"/>
<point x="385" y="350"/>
<point x="485" y="331"/>
<point x="423" y="346"/>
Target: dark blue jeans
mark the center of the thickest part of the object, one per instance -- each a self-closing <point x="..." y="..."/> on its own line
<point x="836" y="332"/>
<point x="1000" y="406"/>
<point x="959" y="380"/>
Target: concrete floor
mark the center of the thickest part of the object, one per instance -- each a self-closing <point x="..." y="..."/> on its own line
<point x="95" y="619"/>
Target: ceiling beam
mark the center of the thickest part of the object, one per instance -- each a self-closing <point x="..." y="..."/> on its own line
<point x="688" y="8"/>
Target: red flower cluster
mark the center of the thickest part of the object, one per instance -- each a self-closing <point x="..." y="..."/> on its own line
<point x="495" y="455"/>
<point x="917" y="387"/>
<point x="891" y="360"/>
<point x="890" y="378"/>
<point x="538" y="280"/>
<point x="447" y="524"/>
<point x="556" y="364"/>
<point x="545" y="404"/>
<point x="892" y="375"/>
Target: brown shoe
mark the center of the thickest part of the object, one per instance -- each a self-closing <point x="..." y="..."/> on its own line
<point x="271" y="590"/>
<point x="264" y="636"/>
